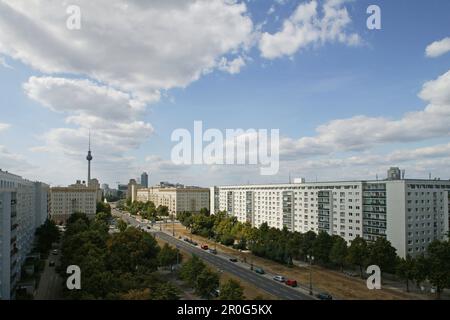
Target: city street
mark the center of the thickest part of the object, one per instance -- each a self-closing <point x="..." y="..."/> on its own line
<point x="50" y="285"/>
<point x="240" y="270"/>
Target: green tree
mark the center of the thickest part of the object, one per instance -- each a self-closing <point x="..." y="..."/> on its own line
<point x="382" y="254"/>
<point x="439" y="265"/>
<point x="162" y="211"/>
<point x="46" y="235"/>
<point x="104" y="207"/>
<point x="321" y="247"/>
<point x="207" y="282"/>
<point x="405" y="269"/>
<point x="358" y="253"/>
<point x="122" y="225"/>
<point x="231" y="290"/>
<point x="191" y="269"/>
<point x="132" y="250"/>
<point x="421" y="270"/>
<point x="168" y="256"/>
<point x="204" y="211"/>
<point x="338" y="252"/>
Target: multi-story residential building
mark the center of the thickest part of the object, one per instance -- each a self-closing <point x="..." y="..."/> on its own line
<point x="191" y="199"/>
<point x="75" y="198"/>
<point x="23" y="208"/>
<point x="409" y="213"/>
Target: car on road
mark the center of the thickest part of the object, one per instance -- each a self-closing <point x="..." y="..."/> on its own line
<point x="260" y="270"/>
<point x="213" y="251"/>
<point x="279" y="278"/>
<point x="204" y="247"/>
<point x="291" y="283"/>
<point x="55" y="252"/>
<point x="51" y="264"/>
<point x="233" y="260"/>
<point x="324" y="296"/>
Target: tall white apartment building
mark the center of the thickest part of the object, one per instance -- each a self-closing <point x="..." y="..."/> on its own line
<point x="176" y="199"/>
<point x="66" y="201"/>
<point x="408" y="213"/>
<point x="23" y="208"/>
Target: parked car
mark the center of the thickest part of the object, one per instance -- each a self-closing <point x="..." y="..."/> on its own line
<point x="233" y="260"/>
<point x="291" y="283"/>
<point x="324" y="296"/>
<point x="55" y="252"/>
<point x="260" y="270"/>
<point x="213" y="251"/>
<point x="216" y="293"/>
<point x="351" y="274"/>
<point x="204" y="247"/>
<point x="279" y="278"/>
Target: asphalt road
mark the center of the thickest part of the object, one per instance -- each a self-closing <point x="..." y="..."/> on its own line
<point x="50" y="284"/>
<point x="275" y="288"/>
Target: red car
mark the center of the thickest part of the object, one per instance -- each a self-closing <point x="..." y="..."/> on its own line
<point x="204" y="246"/>
<point x="291" y="283"/>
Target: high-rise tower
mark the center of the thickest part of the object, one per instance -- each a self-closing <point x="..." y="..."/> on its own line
<point x="89" y="159"/>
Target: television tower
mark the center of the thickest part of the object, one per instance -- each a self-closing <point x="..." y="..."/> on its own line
<point x="89" y="159"/>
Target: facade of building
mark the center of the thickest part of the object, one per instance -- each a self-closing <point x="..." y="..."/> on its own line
<point x="176" y="199"/>
<point x="144" y="180"/>
<point x="75" y="198"/>
<point x="408" y="213"/>
<point x="23" y="208"/>
<point x="94" y="184"/>
<point x="132" y="190"/>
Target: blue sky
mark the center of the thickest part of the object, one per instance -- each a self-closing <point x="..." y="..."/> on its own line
<point x="380" y="76"/>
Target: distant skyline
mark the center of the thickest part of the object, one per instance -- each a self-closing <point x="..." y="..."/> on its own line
<point x="349" y="102"/>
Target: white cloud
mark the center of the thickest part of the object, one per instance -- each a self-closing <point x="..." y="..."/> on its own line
<point x="233" y="66"/>
<point x="4" y="64"/>
<point x="362" y="133"/>
<point x="139" y="47"/>
<point x="310" y="24"/>
<point x="438" y="48"/>
<point x="111" y="115"/>
<point x="4" y="126"/>
<point x="13" y="162"/>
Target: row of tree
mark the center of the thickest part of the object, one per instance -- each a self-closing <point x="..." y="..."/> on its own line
<point x="327" y="250"/>
<point x="146" y="210"/>
<point x="205" y="282"/>
<point x="114" y="266"/>
<point x="46" y="235"/>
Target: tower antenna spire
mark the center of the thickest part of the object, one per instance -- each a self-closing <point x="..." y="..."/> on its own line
<point x="89" y="159"/>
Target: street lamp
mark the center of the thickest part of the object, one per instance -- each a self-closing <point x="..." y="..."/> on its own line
<point x="311" y="259"/>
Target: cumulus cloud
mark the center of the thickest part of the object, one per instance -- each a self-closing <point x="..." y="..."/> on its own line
<point x="136" y="46"/>
<point x="234" y="66"/>
<point x="310" y="24"/>
<point x="111" y="115"/>
<point x="362" y="133"/>
<point x="438" y="48"/>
